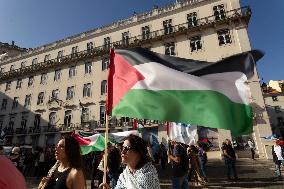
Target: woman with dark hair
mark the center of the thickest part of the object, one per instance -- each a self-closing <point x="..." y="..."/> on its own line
<point x="139" y="171"/>
<point x="68" y="174"/>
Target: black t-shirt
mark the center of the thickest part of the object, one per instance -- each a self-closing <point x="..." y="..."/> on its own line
<point x="114" y="160"/>
<point x="179" y="169"/>
<point x="230" y="151"/>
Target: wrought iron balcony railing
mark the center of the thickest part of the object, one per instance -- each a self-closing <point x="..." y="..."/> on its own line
<point x="243" y="14"/>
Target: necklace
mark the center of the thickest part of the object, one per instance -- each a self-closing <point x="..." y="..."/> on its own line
<point x="62" y="169"/>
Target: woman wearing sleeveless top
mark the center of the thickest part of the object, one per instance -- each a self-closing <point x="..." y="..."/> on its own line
<point x="69" y="174"/>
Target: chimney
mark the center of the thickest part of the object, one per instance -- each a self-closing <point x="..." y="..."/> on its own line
<point x="13" y="43"/>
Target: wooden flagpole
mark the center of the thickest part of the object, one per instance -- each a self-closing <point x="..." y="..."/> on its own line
<point x="106" y="152"/>
<point x="111" y="57"/>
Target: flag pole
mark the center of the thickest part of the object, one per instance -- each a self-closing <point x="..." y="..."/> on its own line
<point x="106" y="152"/>
<point x="109" y="101"/>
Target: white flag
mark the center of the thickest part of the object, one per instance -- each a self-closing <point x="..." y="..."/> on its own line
<point x="183" y="133"/>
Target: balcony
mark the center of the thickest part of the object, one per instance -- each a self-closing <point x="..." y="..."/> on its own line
<point x="21" y="131"/>
<point x="233" y="16"/>
<point x="34" y="130"/>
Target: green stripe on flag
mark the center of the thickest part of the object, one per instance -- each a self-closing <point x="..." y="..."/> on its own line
<point x="198" y="107"/>
<point x="98" y="145"/>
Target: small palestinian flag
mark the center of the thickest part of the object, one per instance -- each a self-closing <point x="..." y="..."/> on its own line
<point x="91" y="143"/>
<point x="147" y="85"/>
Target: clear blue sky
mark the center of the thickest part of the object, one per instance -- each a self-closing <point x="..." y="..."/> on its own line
<point x="31" y="23"/>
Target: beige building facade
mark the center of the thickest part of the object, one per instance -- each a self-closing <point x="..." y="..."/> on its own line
<point x="274" y="102"/>
<point x="60" y="86"/>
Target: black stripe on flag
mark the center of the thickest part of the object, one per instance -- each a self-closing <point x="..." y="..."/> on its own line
<point x="243" y="62"/>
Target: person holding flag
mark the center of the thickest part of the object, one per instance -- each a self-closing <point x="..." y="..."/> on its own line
<point x="139" y="171"/>
<point x="139" y="86"/>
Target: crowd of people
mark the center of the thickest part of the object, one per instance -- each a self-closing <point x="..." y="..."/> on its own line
<point x="33" y="162"/>
<point x="130" y="164"/>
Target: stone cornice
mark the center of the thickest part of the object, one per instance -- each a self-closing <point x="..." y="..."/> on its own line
<point x="88" y="34"/>
<point x="236" y="15"/>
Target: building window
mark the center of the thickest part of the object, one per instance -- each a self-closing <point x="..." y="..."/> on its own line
<point x="70" y="93"/>
<point x="103" y="87"/>
<point x="19" y="84"/>
<point x="170" y="49"/>
<point x="274" y="98"/>
<point x="224" y="37"/>
<point x="74" y="51"/>
<point x="59" y="55"/>
<point x="40" y="98"/>
<point x="57" y="75"/>
<point x="37" y="121"/>
<point x="52" y="119"/>
<point x="192" y="19"/>
<point x="31" y="81"/>
<point x="168" y="26"/>
<point x="280" y="121"/>
<point x="12" y="122"/>
<point x="72" y="71"/>
<point x="105" y="63"/>
<point x="145" y="32"/>
<point x="4" y="104"/>
<point x="90" y="46"/>
<point x="27" y="101"/>
<point x="34" y="61"/>
<point x="87" y="90"/>
<point x="277" y="109"/>
<point x="88" y="67"/>
<point x="12" y="68"/>
<point x="219" y="12"/>
<point x="281" y="85"/>
<point x="107" y="43"/>
<point x="195" y="43"/>
<point x="55" y="94"/>
<point x="125" y="38"/>
<point x="15" y="102"/>
<point x="85" y="115"/>
<point x="24" y="121"/>
<point x="102" y="115"/>
<point x="2" y="117"/>
<point x="8" y="86"/>
<point x="43" y="79"/>
<point x="68" y="118"/>
<point x="23" y="64"/>
<point x="46" y="57"/>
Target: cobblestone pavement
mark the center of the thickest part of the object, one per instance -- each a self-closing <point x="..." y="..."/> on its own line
<point x="252" y="174"/>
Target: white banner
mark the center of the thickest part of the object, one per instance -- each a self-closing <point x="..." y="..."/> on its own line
<point x="183" y="133"/>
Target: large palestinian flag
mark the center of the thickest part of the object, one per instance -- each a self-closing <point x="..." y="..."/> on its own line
<point x="147" y="85"/>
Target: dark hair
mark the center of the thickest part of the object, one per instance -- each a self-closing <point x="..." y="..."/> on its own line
<point x="73" y="152"/>
<point x="139" y="145"/>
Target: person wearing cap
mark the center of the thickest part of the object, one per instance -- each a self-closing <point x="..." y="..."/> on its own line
<point x="278" y="157"/>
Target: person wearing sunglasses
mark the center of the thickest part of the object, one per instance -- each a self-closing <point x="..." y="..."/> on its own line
<point x="139" y="172"/>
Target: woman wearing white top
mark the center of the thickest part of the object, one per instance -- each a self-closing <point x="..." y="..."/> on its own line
<point x="139" y="172"/>
<point x="278" y="157"/>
